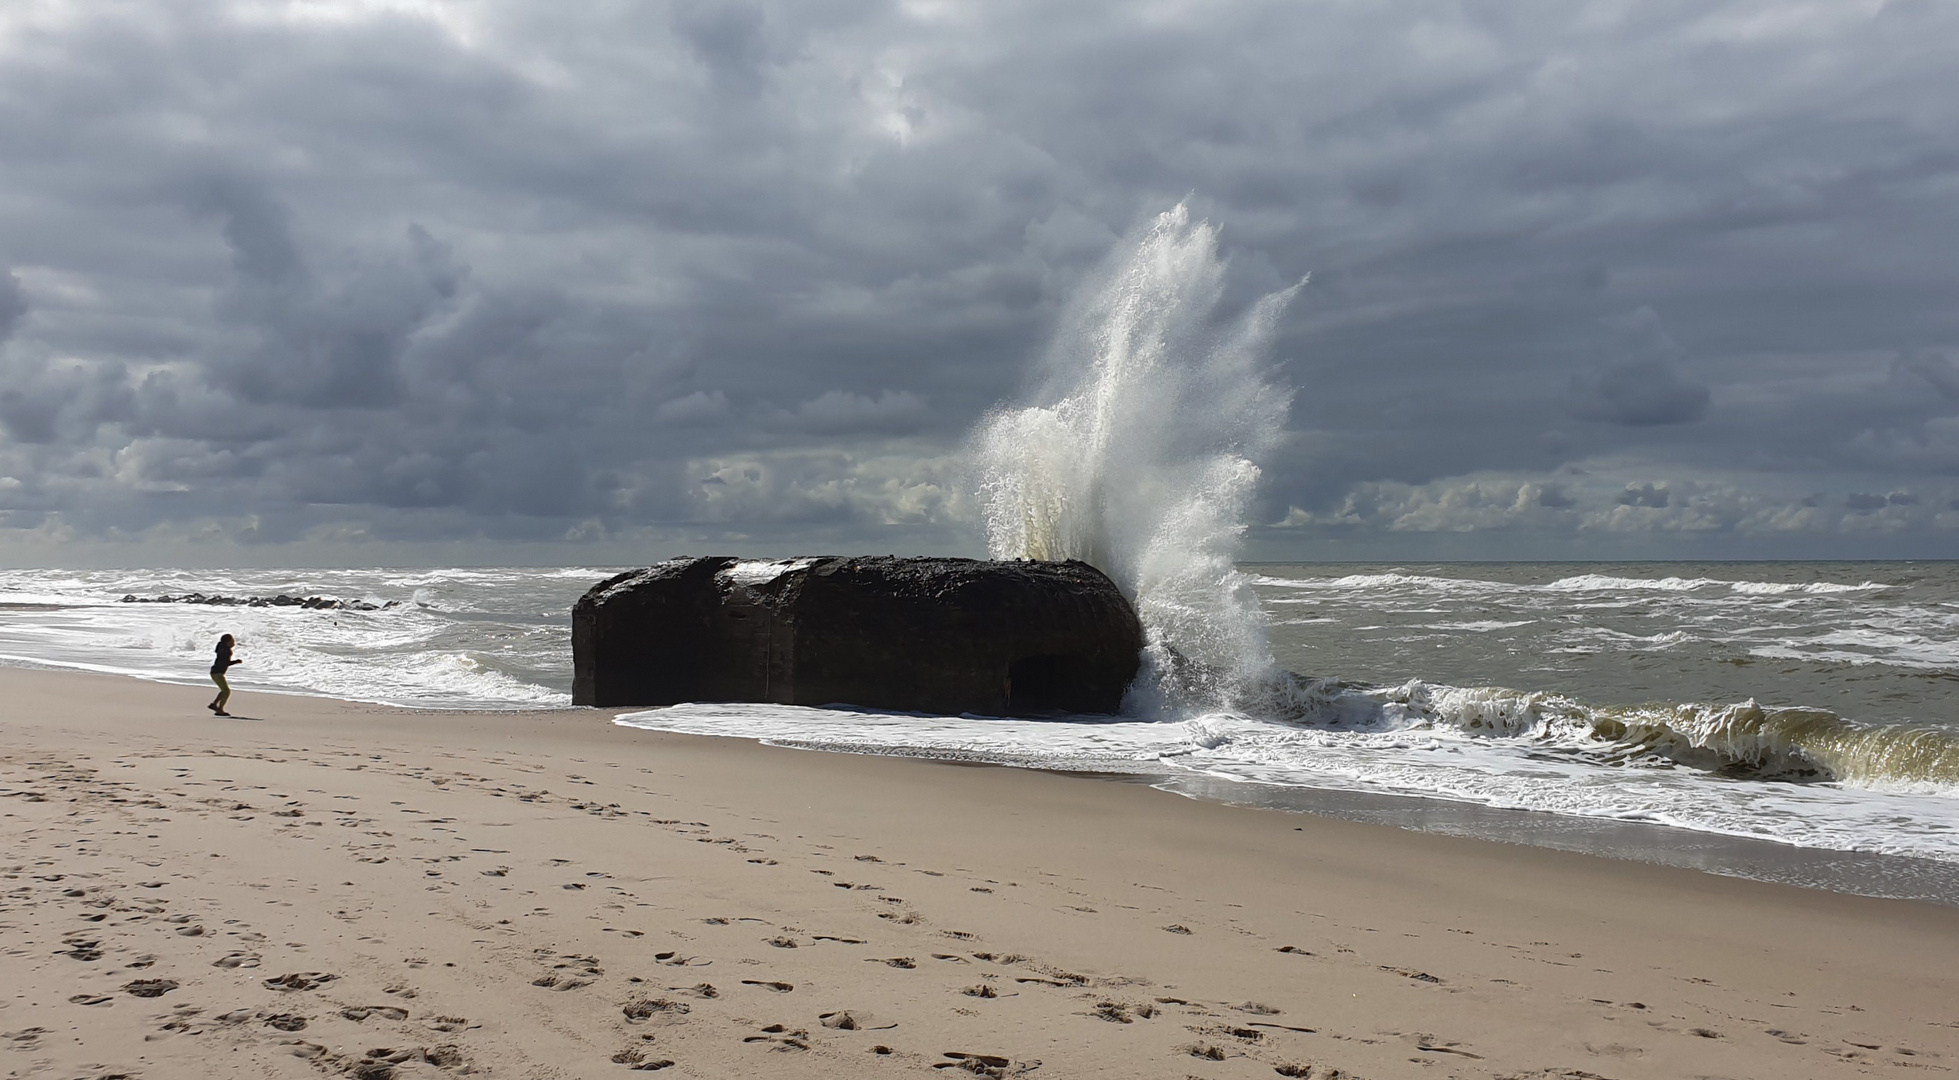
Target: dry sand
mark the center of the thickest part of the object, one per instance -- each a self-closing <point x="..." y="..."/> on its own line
<point x="341" y="889"/>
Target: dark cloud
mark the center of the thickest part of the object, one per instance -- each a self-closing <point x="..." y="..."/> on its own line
<point x="1640" y="393"/>
<point x="1932" y="369"/>
<point x="839" y="411"/>
<point x="1644" y="495"/>
<point x="13" y="304"/>
<point x="1860" y="501"/>
<point x="513" y="272"/>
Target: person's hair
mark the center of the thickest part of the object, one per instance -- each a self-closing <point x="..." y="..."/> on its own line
<point x="226" y="640"/>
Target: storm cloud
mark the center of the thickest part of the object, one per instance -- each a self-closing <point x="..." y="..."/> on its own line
<point x="348" y="279"/>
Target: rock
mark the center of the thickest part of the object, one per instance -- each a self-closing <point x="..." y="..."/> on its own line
<point x="911" y="634"/>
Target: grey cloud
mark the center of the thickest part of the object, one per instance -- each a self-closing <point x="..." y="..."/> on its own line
<point x="840" y="411"/>
<point x="730" y="39"/>
<point x="1644" y="389"/>
<point x="699" y="407"/>
<point x="526" y="271"/>
<point x="30" y="419"/>
<point x="1640" y="393"/>
<point x="1861" y="501"/>
<point x="13" y="304"/>
<point x="315" y="343"/>
<point x="1644" y="495"/>
<point x="1934" y="369"/>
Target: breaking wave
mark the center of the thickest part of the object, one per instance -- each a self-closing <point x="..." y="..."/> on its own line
<point x="1739" y="741"/>
<point x="1140" y="459"/>
<point x="1578" y="583"/>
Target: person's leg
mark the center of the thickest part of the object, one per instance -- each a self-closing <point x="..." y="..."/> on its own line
<point x="224" y="693"/>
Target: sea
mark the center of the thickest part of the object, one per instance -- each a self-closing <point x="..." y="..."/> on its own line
<point x="1789" y="721"/>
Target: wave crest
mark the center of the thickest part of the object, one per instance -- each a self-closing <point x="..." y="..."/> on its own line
<point x="1741" y="740"/>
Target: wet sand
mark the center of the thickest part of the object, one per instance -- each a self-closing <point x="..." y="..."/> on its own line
<point x="322" y="888"/>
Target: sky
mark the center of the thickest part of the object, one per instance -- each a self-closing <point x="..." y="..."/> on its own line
<point x="347" y="282"/>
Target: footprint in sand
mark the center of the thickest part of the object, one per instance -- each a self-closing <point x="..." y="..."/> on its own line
<point x="81" y="949"/>
<point x="359" y="1013"/>
<point x="300" y="980"/>
<point x="853" y="1020"/>
<point x="1312" y="1071"/>
<point x="149" y="988"/>
<point x="983" y="1064"/>
<point x="781" y="1038"/>
<point x="285" y="1021"/>
<point x="572" y="972"/>
<point x="646" y="1009"/>
<point x="634" y="1058"/>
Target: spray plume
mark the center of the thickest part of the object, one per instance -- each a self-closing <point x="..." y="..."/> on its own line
<point x="1141" y="461"/>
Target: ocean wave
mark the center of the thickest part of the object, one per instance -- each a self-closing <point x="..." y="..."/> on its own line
<point x="1610" y="583"/>
<point x="1745" y="740"/>
<point x="1390" y="580"/>
<point x="1577" y="583"/>
<point x="1774" y="588"/>
<point x="1928" y="658"/>
<point x="1481" y="626"/>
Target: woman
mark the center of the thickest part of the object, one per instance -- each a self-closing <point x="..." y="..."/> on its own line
<point x="219" y="665"/>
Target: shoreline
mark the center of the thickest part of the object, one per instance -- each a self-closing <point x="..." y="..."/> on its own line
<point x="1876" y="875"/>
<point x="1857" y="873"/>
<point x="548" y="894"/>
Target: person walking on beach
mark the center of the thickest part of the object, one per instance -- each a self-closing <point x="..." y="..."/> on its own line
<point x="219" y="664"/>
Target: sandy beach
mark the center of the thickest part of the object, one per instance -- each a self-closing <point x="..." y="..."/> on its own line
<point x="317" y="887"/>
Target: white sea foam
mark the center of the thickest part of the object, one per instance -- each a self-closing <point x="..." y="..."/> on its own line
<point x="1368" y="583"/>
<point x="1483" y="746"/>
<point x="1577" y="583"/>
<point x="449" y="653"/>
<point x="1139" y="457"/>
